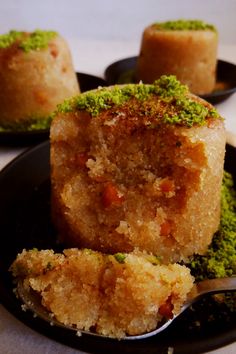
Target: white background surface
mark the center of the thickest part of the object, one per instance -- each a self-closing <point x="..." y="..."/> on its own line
<point x="110" y="19"/>
<point x="100" y="32"/>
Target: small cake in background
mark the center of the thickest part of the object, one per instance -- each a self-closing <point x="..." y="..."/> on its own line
<point x="36" y="74"/>
<point x="137" y="166"/>
<point x="184" y="48"/>
<point x="113" y="295"/>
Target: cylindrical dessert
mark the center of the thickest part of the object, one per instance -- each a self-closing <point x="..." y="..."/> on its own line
<point x="138" y="166"/>
<point x="186" y="49"/>
<point x="36" y="74"/>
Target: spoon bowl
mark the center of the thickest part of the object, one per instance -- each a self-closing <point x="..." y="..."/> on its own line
<point x="32" y="301"/>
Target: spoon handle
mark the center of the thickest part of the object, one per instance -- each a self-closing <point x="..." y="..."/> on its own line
<point x="216" y="285"/>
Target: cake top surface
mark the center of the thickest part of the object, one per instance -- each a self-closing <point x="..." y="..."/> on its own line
<point x="27" y="41"/>
<point x="181" y="25"/>
<point x="166" y="101"/>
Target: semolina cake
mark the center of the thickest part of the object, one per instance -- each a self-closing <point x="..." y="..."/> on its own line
<point x="113" y="295"/>
<point x="36" y="74"/>
<point x="185" y="48"/>
<point x="137" y="166"/>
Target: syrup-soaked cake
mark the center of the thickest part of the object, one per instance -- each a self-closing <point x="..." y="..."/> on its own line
<point x="137" y="166"/>
<point x="36" y="74"/>
<point x="185" y="48"/>
<point x="114" y="295"/>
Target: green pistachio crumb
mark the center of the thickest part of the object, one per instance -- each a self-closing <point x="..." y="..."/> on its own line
<point x="27" y="41"/>
<point x="6" y="40"/>
<point x="120" y="257"/>
<point x="220" y="259"/>
<point x="188" y="112"/>
<point x="168" y="87"/>
<point x="29" y="124"/>
<point x="177" y="106"/>
<point x="181" y="25"/>
<point x="37" y="40"/>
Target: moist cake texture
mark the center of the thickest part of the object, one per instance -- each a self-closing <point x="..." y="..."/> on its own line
<point x="185" y="48"/>
<point x="36" y="74"/>
<point x="114" y="295"/>
<point x="137" y="166"/>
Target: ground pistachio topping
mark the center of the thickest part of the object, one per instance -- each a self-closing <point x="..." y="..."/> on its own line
<point x="6" y="40"/>
<point x="220" y="259"/>
<point x="181" y="25"/>
<point x="28" y="124"/>
<point x="177" y="105"/>
<point x="120" y="257"/>
<point x="27" y="41"/>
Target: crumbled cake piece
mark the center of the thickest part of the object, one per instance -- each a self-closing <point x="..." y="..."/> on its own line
<point x="114" y="295"/>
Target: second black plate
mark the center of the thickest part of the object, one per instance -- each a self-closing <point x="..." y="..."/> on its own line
<point x="122" y="72"/>
<point x="25" y="138"/>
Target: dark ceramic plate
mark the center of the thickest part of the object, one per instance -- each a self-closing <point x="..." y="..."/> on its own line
<point x="25" y="223"/>
<point x="122" y="71"/>
<point x="25" y="138"/>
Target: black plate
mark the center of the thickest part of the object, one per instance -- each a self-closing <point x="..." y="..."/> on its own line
<point x="122" y="71"/>
<point x="25" y="223"/>
<point x="25" y="138"/>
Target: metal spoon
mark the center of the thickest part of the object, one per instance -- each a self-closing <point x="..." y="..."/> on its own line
<point x="32" y="301"/>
